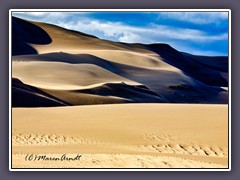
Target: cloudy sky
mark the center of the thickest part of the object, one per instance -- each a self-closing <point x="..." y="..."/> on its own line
<point x="203" y="33"/>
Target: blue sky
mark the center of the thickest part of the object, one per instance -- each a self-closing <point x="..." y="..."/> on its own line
<point x="202" y="33"/>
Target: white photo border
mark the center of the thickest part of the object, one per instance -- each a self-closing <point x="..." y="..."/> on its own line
<point x="119" y="169"/>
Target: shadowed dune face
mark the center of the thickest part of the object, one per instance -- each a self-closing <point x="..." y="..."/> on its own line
<point x="74" y="68"/>
<point x="134" y="94"/>
<point x="25" y="33"/>
<point x="26" y="96"/>
<point x="198" y="67"/>
<point x="217" y="63"/>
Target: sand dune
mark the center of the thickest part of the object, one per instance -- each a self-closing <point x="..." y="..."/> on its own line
<point x="63" y="67"/>
<point x="76" y="72"/>
<point x="36" y="97"/>
<point x="181" y="139"/>
<point x="189" y="64"/>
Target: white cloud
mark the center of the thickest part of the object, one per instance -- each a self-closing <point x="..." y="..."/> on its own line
<point x="33" y="13"/>
<point x="153" y="33"/>
<point x="49" y="17"/>
<point x="195" y="17"/>
<point x="131" y="38"/>
<point x="39" y="14"/>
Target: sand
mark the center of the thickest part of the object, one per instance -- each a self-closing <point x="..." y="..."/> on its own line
<point x="117" y="105"/>
<point x="123" y="136"/>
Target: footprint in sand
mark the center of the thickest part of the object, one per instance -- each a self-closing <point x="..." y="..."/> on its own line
<point x="43" y="139"/>
<point x="157" y="137"/>
<point x="188" y="150"/>
<point x="162" y="143"/>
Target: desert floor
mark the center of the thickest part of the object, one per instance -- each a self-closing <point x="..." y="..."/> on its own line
<point x="122" y="136"/>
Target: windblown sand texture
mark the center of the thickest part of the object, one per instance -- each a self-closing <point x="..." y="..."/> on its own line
<point x="119" y="105"/>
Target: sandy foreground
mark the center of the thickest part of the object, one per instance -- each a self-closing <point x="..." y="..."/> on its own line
<point x="121" y="136"/>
